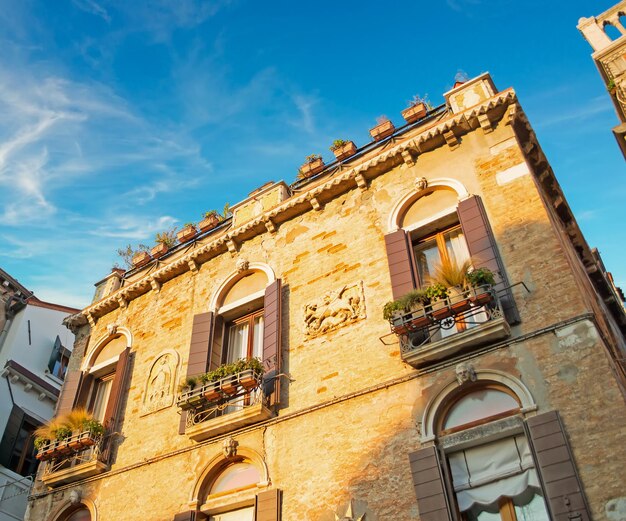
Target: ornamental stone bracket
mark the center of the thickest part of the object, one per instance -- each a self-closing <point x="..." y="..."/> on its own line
<point x="335" y="309"/>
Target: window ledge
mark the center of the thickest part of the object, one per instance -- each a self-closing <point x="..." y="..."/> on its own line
<point x="228" y="422"/>
<point x="75" y="473"/>
<point x="427" y="354"/>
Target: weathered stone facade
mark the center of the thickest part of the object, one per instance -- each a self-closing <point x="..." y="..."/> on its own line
<point x="350" y="410"/>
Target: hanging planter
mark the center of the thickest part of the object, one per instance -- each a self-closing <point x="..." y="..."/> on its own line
<point x="343" y="149"/>
<point x="383" y="130"/>
<point x="210" y="220"/>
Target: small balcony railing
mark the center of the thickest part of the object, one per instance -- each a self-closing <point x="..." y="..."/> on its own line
<point x="442" y="328"/>
<point x="80" y="456"/>
<point x="217" y="407"/>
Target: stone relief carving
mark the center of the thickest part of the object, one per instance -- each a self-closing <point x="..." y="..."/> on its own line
<point x="160" y="386"/>
<point x="421" y="184"/>
<point x="335" y="309"/>
<point x="229" y="447"/>
<point x="112" y="329"/>
<point x="465" y="373"/>
<point x="242" y="265"/>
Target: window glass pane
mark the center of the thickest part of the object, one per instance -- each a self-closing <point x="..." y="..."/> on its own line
<point x="243" y="514"/>
<point x="237" y="342"/>
<point x="483" y="516"/>
<point x="257" y="347"/>
<point x="479" y="404"/>
<point x="236" y="476"/>
<point x="23" y="456"/>
<point x="80" y="515"/>
<point x="102" y="390"/>
<point x="532" y="509"/>
<point x="427" y="258"/>
<point x="456" y="247"/>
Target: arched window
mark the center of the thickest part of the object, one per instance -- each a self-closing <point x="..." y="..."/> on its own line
<point x="490" y="462"/>
<point x="82" y="514"/>
<point x="235" y="477"/>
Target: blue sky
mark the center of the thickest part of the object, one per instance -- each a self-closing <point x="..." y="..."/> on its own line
<point x="119" y="119"/>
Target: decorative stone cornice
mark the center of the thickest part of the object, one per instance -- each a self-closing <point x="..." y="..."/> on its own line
<point x="315" y="197"/>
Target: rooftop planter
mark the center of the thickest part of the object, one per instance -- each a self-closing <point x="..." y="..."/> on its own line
<point x="343" y="149"/>
<point x="418" y="108"/>
<point x="383" y="129"/>
<point x="314" y="164"/>
<point x="141" y="258"/>
<point x="187" y="233"/>
<point x="164" y="241"/>
<point x="210" y="220"/>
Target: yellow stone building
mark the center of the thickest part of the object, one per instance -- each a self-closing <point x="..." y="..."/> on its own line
<point x="501" y="399"/>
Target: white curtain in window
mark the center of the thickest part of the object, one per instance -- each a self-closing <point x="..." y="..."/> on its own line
<point x="483" y="474"/>
<point x="243" y="514"/>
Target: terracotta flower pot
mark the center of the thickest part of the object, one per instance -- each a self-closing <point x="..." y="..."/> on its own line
<point x="208" y="223"/>
<point x="248" y="380"/>
<point x="345" y="151"/>
<point x="141" y="258"/>
<point x="311" y="168"/>
<point x="229" y="385"/>
<point x="382" y="130"/>
<point x="186" y="234"/>
<point x="414" y="112"/>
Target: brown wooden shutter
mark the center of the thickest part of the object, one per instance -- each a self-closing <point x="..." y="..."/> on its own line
<point x="68" y="392"/>
<point x="190" y="515"/>
<point x="553" y="455"/>
<point x="84" y="391"/>
<point x="11" y="431"/>
<point x="113" y="413"/>
<point x="267" y="506"/>
<point x="199" y="352"/>
<point x="483" y="249"/>
<point x="216" y="342"/>
<point x="401" y="265"/>
<point x="200" y="342"/>
<point x="428" y="483"/>
<point x="271" y="340"/>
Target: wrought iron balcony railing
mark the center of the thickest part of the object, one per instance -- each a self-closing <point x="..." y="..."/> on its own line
<point x="458" y="315"/>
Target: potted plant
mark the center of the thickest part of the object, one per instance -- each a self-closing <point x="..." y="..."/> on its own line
<point x="249" y="371"/>
<point x="611" y="86"/>
<point x="188" y="396"/>
<point x="383" y="129"/>
<point x="343" y="149"/>
<point x="187" y="233"/>
<point x="454" y="277"/>
<point x="209" y="220"/>
<point x="437" y="294"/>
<point x="210" y="388"/>
<point x="312" y="165"/>
<point x="416" y="302"/>
<point x="141" y="258"/>
<point x="481" y="280"/>
<point x="164" y="241"/>
<point x="228" y="379"/>
<point x="417" y="109"/>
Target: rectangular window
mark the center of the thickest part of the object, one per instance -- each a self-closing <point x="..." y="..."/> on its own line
<point x="59" y="367"/>
<point x="100" y="396"/>
<point x="22" y="458"/>
<point x="432" y="250"/>
<point x="245" y="337"/>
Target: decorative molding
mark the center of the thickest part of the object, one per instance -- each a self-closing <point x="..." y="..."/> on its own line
<point x="421" y="184"/>
<point x="229" y="447"/>
<point x="339" y="182"/>
<point x="160" y="387"/>
<point x="485" y="123"/>
<point x="193" y="265"/>
<point x="465" y="373"/>
<point x="361" y="182"/>
<point x="335" y="309"/>
<point x="349" y="515"/>
<point x="271" y="227"/>
<point x="156" y="285"/>
<point x="408" y="158"/>
<point x="242" y="265"/>
<point x="451" y="139"/>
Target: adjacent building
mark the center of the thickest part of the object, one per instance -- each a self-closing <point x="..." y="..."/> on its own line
<point x="609" y="55"/>
<point x="502" y="398"/>
<point x="35" y="350"/>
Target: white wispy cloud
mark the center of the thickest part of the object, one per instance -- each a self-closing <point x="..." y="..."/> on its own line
<point x="133" y="227"/>
<point x="92" y="7"/>
<point x="579" y="113"/>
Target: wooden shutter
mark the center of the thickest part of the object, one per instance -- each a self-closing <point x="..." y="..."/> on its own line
<point x="112" y="413"/>
<point x="401" y="264"/>
<point x="190" y="515"/>
<point x="199" y="350"/>
<point x="428" y="483"/>
<point x="216" y="341"/>
<point x="553" y="455"/>
<point x="11" y="431"/>
<point x="267" y="506"/>
<point x="271" y="340"/>
<point x="84" y="391"/>
<point x="68" y="392"/>
<point x="484" y="251"/>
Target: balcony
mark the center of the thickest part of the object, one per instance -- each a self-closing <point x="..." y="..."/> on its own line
<point x="224" y="405"/>
<point x="450" y="327"/>
<point x="81" y="456"/>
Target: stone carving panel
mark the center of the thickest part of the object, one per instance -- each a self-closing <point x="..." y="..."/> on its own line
<point x="335" y="309"/>
<point x="160" y="387"/>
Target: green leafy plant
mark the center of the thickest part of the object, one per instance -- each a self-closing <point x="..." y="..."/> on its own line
<point x="189" y="225"/>
<point x="167" y="238"/>
<point x="129" y="251"/>
<point x="436" y="291"/>
<point x="211" y="213"/>
<point x="413" y="299"/>
<point x="392" y="308"/>
<point x="40" y="442"/>
<point x="481" y="277"/>
<point x="188" y="383"/>
<point x="337" y="144"/>
<point x="611" y="86"/>
<point x="244" y="364"/>
<point x="94" y="427"/>
<point x="312" y="158"/>
<point x="63" y="432"/>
